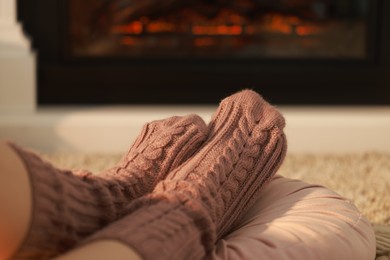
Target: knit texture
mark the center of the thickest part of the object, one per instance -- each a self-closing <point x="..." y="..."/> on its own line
<point x="160" y="227"/>
<point x="69" y="206"/>
<point x="245" y="148"/>
<point x="199" y="201"/>
<point x="161" y="147"/>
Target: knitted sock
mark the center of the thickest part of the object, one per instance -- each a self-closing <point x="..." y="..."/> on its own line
<point x="161" y="147"/>
<point x="199" y="201"/>
<point x="68" y="207"/>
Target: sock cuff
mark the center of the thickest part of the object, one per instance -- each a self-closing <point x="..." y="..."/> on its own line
<point x="159" y="225"/>
<point x="65" y="207"/>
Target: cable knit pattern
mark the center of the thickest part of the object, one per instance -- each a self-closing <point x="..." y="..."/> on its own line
<point x="244" y="150"/>
<point x="245" y="147"/>
<point x="69" y="206"/>
<point x="162" y="146"/>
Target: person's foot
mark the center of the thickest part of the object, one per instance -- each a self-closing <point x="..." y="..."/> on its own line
<point x="199" y="201"/>
<point x="245" y="147"/>
<point x="161" y="147"/>
<point x="68" y="207"/>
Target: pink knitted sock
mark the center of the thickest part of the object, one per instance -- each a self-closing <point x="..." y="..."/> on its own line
<point x="200" y="200"/>
<point x="161" y="147"/>
<point x="67" y="207"/>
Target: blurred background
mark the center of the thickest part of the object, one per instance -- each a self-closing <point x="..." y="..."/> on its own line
<point x="170" y="51"/>
<point x="84" y="74"/>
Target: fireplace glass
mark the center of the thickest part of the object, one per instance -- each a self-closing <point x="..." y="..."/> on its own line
<point x="239" y="29"/>
<point x="294" y="52"/>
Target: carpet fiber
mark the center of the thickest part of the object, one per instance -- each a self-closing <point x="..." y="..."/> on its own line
<point x="363" y="178"/>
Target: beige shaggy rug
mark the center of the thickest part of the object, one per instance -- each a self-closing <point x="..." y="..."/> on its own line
<point x="363" y="178"/>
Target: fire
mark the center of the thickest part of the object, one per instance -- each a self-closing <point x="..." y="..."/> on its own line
<point x="280" y="23"/>
<point x="216" y="30"/>
<point x="304" y="30"/>
<point x="131" y="28"/>
<point x="275" y="23"/>
<point x="160" y="26"/>
<point x="226" y="23"/>
<point x="290" y="25"/>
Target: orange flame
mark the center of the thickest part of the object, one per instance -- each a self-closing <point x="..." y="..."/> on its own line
<point x="304" y="30"/>
<point x="216" y="29"/>
<point x="159" y="26"/>
<point x="281" y="23"/>
<point x="131" y="28"/>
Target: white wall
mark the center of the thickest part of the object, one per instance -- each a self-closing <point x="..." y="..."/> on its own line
<point x="319" y="130"/>
<point x="17" y="64"/>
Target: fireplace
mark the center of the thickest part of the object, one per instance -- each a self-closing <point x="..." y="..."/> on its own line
<point x="319" y="52"/>
<point x="215" y="29"/>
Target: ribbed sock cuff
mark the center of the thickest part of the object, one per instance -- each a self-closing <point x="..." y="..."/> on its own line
<point x="66" y="208"/>
<point x="162" y="226"/>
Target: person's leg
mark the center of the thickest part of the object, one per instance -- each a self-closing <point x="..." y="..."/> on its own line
<point x="201" y="200"/>
<point x="102" y="250"/>
<point x="15" y="201"/>
<point x="67" y="207"/>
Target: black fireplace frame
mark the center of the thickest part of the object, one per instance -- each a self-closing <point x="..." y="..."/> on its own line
<point x="63" y="80"/>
